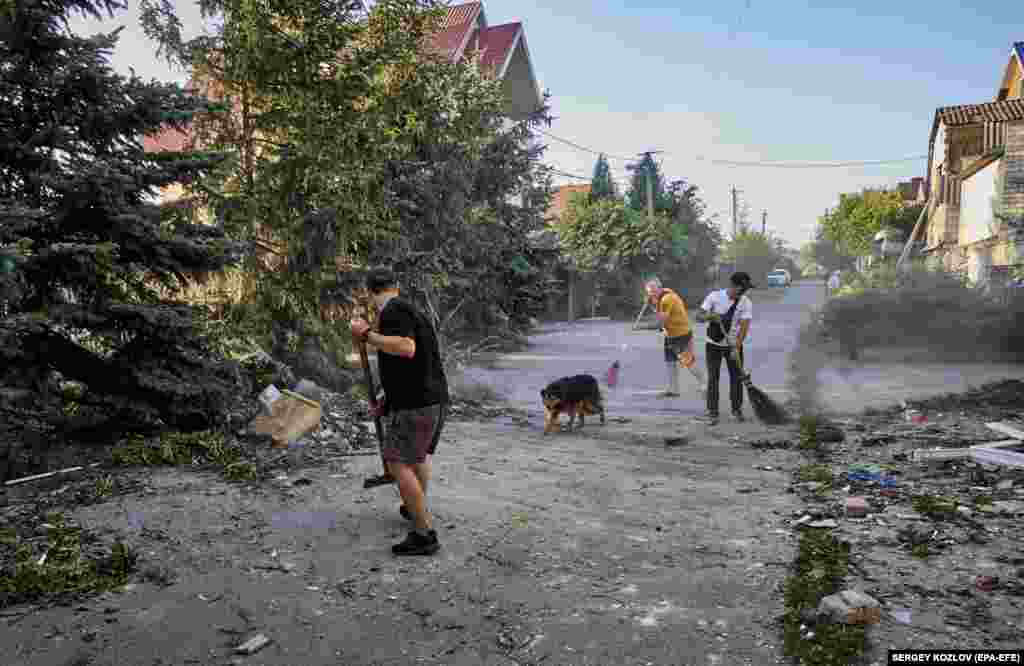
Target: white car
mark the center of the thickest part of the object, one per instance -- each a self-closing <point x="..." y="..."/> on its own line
<point x="779" y="278"/>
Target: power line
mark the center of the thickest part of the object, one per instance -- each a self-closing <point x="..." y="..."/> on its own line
<point x="584" y="148"/>
<point x="812" y="165"/>
<point x="741" y="163"/>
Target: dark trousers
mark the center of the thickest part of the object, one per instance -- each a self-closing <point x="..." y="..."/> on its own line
<point x="715" y="354"/>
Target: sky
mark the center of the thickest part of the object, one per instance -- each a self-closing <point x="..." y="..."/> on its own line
<point x="739" y="80"/>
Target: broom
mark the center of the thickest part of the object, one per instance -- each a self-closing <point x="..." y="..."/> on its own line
<point x="767" y="410"/>
<point x="385" y="478"/>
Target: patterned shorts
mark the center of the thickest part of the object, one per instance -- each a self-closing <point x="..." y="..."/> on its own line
<point x="412" y="434"/>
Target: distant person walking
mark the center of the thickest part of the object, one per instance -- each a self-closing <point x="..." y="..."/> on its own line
<point x="834" y="281"/>
<point x="728" y="313"/>
<point x="675" y="324"/>
<point x="416" y="399"/>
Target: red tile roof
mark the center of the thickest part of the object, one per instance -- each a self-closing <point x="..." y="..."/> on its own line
<point x="967" y="114"/>
<point x="560" y="200"/>
<point x="495" y="44"/>
<point x="167" y="139"/>
<point x="454" y="28"/>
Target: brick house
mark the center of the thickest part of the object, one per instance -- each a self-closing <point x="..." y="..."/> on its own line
<point x="975" y="184"/>
<point x="560" y="201"/>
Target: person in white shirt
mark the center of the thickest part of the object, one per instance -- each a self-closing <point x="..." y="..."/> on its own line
<point x="728" y="313"/>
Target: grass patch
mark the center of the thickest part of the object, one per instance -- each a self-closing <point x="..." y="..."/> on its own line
<point x="104" y="487"/>
<point x="808" y="440"/>
<point x="936" y="508"/>
<point x="184" y="448"/>
<point x="820" y="567"/>
<point x="818" y="473"/>
<point x="983" y="500"/>
<point x="59" y="568"/>
<point x="921" y="551"/>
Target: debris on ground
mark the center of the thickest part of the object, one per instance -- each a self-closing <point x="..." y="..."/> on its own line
<point x="935" y="538"/>
<point x="850" y="607"/>
<point x="253" y="645"/>
<point x="291" y="416"/>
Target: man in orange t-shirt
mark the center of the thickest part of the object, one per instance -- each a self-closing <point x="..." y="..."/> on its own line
<point x="675" y="324"/>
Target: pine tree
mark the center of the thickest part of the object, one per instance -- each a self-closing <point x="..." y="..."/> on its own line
<point x="601" y="185"/>
<point x="637" y="195"/>
<point x="93" y="263"/>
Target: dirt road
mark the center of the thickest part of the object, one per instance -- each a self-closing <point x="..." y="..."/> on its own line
<point x="601" y="547"/>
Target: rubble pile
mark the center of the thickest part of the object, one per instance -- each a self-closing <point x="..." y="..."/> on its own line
<point x="936" y="542"/>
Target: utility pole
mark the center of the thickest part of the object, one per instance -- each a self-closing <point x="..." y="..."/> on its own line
<point x="734" y="212"/>
<point x="764" y="222"/>
<point x="650" y="195"/>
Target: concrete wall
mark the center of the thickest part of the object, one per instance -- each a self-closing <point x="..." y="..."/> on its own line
<point x="977" y="220"/>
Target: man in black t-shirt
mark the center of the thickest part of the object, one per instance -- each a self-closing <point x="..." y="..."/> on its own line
<point x="416" y="397"/>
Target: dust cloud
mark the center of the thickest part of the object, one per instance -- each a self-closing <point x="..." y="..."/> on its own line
<point x="928" y="317"/>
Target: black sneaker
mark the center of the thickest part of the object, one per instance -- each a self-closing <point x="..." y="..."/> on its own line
<point x="712" y="419"/>
<point x="404" y="512"/>
<point x="415" y="544"/>
<point x="739" y="416"/>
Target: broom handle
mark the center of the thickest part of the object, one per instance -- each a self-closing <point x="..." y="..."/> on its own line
<point x="368" y="374"/>
<point x="640" y="316"/>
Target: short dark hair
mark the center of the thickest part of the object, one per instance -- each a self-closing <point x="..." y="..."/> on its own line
<point x="741" y="279"/>
<point x="380" y="279"/>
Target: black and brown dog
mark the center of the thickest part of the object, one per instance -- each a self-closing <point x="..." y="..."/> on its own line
<point x="578" y="395"/>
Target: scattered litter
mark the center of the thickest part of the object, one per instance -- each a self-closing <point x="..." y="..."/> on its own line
<point x="856" y="507"/>
<point x="901" y="615"/>
<point x="850" y="607"/>
<point x="291" y="416"/>
<point x="986" y="583"/>
<point x="268" y="397"/>
<point x="999" y="456"/>
<point x="253" y="645"/>
<point x="870" y="474"/>
<point x="827" y="523"/>
<point x="310" y="390"/>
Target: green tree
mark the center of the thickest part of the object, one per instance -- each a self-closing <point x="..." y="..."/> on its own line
<point x="753" y="252"/>
<point x="84" y="301"/>
<point x="648" y="168"/>
<point x="468" y="194"/>
<point x="853" y="224"/>
<point x="601" y="185"/>
<point x="370" y="148"/>
<point x="315" y="119"/>
<point x="621" y="245"/>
